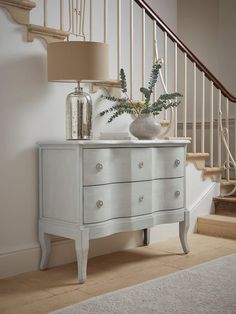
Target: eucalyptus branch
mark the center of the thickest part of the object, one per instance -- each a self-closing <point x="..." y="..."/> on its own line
<point x="154" y="75"/>
<point x="123" y="81"/>
<point x="126" y="105"/>
<point x="119" y="113"/>
<point x="114" y="108"/>
<point x="115" y="99"/>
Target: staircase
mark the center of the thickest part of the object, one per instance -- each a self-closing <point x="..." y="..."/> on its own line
<point x="214" y="158"/>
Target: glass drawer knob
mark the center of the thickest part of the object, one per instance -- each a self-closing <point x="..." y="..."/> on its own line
<point x="99" y="167"/>
<point x="141" y="198"/>
<point x="141" y="164"/>
<point x="177" y="162"/>
<point x="177" y="193"/>
<point x="99" y="204"/>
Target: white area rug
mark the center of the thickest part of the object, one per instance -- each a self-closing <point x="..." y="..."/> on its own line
<point x="206" y="288"/>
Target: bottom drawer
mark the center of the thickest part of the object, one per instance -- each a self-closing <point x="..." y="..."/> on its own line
<point x="110" y="201"/>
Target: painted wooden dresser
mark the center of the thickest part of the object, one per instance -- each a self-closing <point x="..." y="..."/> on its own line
<point x="92" y="189"/>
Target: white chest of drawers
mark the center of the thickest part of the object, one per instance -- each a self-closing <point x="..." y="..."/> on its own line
<point x="92" y="189"/>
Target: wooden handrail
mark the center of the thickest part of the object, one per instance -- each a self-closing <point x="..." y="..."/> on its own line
<point x="185" y="49"/>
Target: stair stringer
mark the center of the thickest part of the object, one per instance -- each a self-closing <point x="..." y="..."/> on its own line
<point x="199" y="200"/>
<point x="19" y="10"/>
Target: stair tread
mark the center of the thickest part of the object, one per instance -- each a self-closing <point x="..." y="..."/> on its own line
<point x="218" y="219"/>
<point x="46" y="29"/>
<point x="226" y="182"/>
<point x="218" y="226"/>
<point x="198" y="155"/>
<point x="214" y="169"/>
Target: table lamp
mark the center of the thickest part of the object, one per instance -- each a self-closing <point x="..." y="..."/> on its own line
<point x="76" y="61"/>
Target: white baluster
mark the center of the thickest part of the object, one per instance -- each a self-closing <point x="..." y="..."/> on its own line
<point x="69" y="10"/>
<point x="154" y="53"/>
<point x="185" y="95"/>
<point x="211" y="125"/>
<point x="45" y="13"/>
<point x="131" y="46"/>
<point x="165" y="68"/>
<point x="235" y="135"/>
<point x="219" y="134"/>
<point x="227" y="137"/>
<point x="91" y="20"/>
<point x="176" y="89"/>
<point x="77" y="16"/>
<point x="73" y="17"/>
<point x="61" y="14"/>
<point x="203" y="115"/>
<point x="105" y="21"/>
<point x="194" y="139"/>
<point x="118" y="37"/>
<point x="82" y="15"/>
<point x="143" y="49"/>
<point x="82" y="19"/>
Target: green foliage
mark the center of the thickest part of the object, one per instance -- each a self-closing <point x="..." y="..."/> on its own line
<point x="154" y="76"/>
<point x="123" y="81"/>
<point x="147" y="94"/>
<point x="125" y="105"/>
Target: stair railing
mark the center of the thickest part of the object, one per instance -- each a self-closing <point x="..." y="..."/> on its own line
<point x="215" y="100"/>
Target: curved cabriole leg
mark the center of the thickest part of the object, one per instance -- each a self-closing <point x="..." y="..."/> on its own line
<point x="183" y="230"/>
<point x="146" y="236"/>
<point x="45" y="243"/>
<point x="82" y="247"/>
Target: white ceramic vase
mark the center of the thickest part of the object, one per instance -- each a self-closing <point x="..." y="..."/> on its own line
<point x="145" y="127"/>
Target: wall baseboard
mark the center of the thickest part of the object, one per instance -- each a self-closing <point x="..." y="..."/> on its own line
<point x="63" y="252"/>
<point x="27" y="260"/>
<point x="207" y="124"/>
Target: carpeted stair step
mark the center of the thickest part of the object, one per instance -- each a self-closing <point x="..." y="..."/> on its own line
<point x="218" y="226"/>
<point x="225" y="206"/>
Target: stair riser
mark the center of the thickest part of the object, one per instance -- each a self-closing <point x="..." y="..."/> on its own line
<point x="226" y="211"/>
<point x="221" y="231"/>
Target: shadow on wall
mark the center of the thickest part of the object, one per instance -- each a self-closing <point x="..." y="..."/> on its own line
<point x="23" y="80"/>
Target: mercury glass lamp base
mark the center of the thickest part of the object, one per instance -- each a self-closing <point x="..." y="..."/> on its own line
<point x="78" y="115"/>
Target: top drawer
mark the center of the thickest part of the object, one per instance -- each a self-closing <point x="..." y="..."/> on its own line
<point x="110" y="165"/>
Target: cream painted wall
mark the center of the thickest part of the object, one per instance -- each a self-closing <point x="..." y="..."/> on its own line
<point x="208" y="29"/>
<point x="198" y="24"/>
<point x="227" y="44"/>
<point x="162" y="7"/>
<point x="32" y="110"/>
<point x="198" y="28"/>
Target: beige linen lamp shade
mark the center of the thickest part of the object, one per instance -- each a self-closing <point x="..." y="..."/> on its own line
<point x="77" y="61"/>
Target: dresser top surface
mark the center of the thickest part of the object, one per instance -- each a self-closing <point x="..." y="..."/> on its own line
<point x="115" y="143"/>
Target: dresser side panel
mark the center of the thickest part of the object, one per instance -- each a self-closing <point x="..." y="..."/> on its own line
<point x="59" y="184"/>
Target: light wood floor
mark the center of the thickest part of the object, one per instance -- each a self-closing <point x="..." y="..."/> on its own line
<point x="44" y="291"/>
